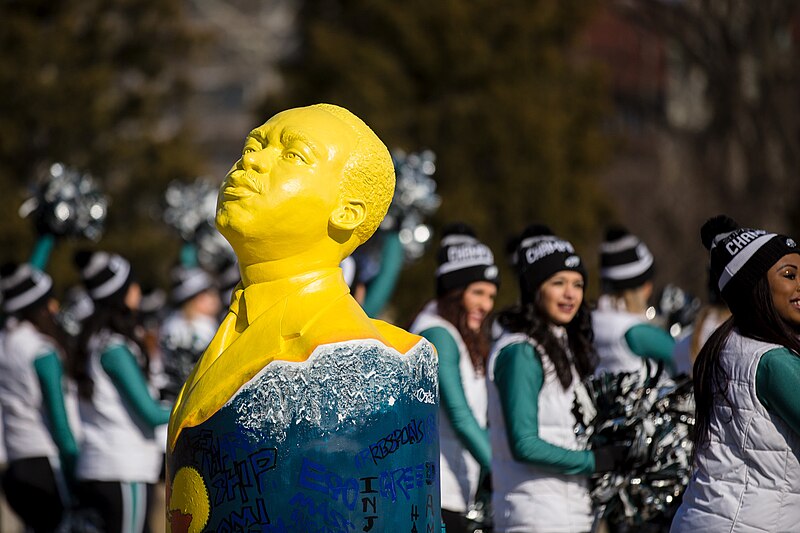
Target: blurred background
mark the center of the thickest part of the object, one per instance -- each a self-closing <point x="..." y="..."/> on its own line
<point x="654" y="114"/>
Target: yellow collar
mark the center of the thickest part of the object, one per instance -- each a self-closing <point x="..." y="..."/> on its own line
<point x="254" y="300"/>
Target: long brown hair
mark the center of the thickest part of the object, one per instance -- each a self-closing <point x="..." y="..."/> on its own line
<point x="44" y="321"/>
<point x="450" y="306"/>
<point x="758" y="320"/>
<point x="110" y="313"/>
<point x="528" y="318"/>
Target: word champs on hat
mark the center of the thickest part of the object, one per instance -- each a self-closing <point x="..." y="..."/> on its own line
<point x="463" y="259"/>
<point x="741" y="256"/>
<point x="542" y="254"/>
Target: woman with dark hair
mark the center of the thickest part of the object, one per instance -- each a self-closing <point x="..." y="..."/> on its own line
<point x="40" y="442"/>
<point x="746" y="377"/>
<point x="457" y="324"/>
<point x="120" y="455"/>
<point x="539" y="469"/>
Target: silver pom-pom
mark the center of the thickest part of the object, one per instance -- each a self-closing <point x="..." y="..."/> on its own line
<point x="67" y="202"/>
<point x="190" y="205"/>
<point x="653" y="417"/>
<point x="191" y="208"/>
<point x="414" y="200"/>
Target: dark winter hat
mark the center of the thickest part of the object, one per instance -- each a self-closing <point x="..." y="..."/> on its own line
<point x="740" y="256"/>
<point x="625" y="261"/>
<point x="23" y="286"/>
<point x="541" y="254"/>
<point x="463" y="260"/>
<point x="188" y="282"/>
<point x="103" y="274"/>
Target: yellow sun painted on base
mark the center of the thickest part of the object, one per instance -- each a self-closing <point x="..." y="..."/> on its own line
<point x="188" y="508"/>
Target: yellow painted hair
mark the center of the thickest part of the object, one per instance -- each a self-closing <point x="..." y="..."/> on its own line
<point x="368" y="173"/>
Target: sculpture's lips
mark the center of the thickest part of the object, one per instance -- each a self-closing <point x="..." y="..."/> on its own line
<point x="238" y="186"/>
<point x="231" y="192"/>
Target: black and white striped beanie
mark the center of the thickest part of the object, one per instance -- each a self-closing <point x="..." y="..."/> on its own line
<point x="541" y="254"/>
<point x="625" y="261"/>
<point x="463" y="260"/>
<point x="741" y="256"/>
<point x="103" y="274"/>
<point x="188" y="282"/>
<point x="23" y="286"/>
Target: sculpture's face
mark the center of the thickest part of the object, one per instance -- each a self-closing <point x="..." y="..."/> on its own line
<point x="277" y="199"/>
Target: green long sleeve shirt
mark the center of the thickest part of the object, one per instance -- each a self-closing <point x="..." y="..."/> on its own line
<point x="50" y="374"/>
<point x="648" y="341"/>
<point x="453" y="400"/>
<point x="120" y="364"/>
<point x="777" y="381"/>
<point x="519" y="377"/>
<point x="380" y="289"/>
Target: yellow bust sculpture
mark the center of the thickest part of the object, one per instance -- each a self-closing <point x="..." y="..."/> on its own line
<point x="312" y="184"/>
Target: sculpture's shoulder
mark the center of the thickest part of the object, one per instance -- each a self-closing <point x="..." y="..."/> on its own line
<point x="398" y="338"/>
<point x="345" y="320"/>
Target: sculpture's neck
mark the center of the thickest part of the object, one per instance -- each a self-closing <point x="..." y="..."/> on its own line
<point x="301" y="266"/>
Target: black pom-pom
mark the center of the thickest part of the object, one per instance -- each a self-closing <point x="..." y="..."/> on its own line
<point x="458" y="228"/>
<point x="535" y="230"/>
<point x="8" y="269"/>
<point x="716" y="226"/>
<point x="82" y="258"/>
<point x="614" y="233"/>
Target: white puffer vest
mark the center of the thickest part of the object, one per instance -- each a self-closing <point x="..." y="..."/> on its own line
<point x="116" y="445"/>
<point x="527" y="499"/>
<point x="24" y="415"/>
<point x="613" y="353"/>
<point x="460" y="472"/>
<point x="748" y="476"/>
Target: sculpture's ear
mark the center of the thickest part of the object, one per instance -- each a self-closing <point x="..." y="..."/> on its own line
<point x="349" y="215"/>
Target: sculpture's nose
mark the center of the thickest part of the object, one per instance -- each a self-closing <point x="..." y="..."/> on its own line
<point x="256" y="161"/>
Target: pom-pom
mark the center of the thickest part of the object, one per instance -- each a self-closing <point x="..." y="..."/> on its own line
<point x="81" y="258"/>
<point x="614" y="233"/>
<point x="458" y="228"/>
<point x="67" y="203"/>
<point x="716" y="226"/>
<point x="414" y="199"/>
<point x="653" y="417"/>
<point x="535" y="230"/>
<point x="8" y="269"/>
<point x="190" y="206"/>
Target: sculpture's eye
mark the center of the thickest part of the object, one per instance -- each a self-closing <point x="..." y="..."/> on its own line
<point x="294" y="156"/>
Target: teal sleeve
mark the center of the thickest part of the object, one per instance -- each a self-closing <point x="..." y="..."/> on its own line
<point x="651" y="342"/>
<point x="41" y="251"/>
<point x="519" y="376"/>
<point x="188" y="255"/>
<point x="777" y="382"/>
<point x="120" y="365"/>
<point x="453" y="400"/>
<point x="380" y="289"/>
<point x="50" y="374"/>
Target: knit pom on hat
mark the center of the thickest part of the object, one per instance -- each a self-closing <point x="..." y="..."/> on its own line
<point x="103" y="274"/>
<point x="463" y="260"/>
<point x="740" y="257"/>
<point x="23" y="286"/>
<point x="717" y="228"/>
<point x="625" y="261"/>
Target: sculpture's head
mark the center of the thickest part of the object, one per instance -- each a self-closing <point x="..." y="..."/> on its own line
<point x="311" y="180"/>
